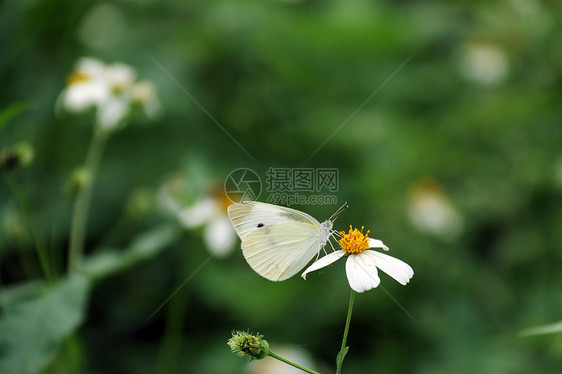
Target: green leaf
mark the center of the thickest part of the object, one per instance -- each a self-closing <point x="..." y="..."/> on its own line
<point x="552" y="328"/>
<point x="69" y="358"/>
<point x="21" y="292"/>
<point x="107" y="261"/>
<point x="32" y="330"/>
<point x="10" y="112"/>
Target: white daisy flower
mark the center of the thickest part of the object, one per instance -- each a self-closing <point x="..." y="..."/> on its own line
<point x="431" y="210"/>
<point x="362" y="263"/>
<point x="211" y="214"/>
<point x="484" y="63"/>
<point x="120" y="78"/>
<point x="177" y="197"/>
<point x="110" y="89"/>
<point x="86" y="86"/>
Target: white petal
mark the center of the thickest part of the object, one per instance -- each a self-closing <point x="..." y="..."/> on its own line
<point x="375" y="243"/>
<point x="324" y="261"/>
<point x="81" y="96"/>
<point x="361" y="272"/>
<point x="144" y="93"/>
<point x="91" y="66"/>
<point x="120" y="76"/>
<point x="397" y="269"/>
<point x="112" y="111"/>
<point x="199" y="213"/>
<point x="220" y="236"/>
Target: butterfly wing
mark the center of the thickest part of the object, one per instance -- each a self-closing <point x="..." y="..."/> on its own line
<point x="281" y="250"/>
<point x="249" y="216"/>
<point x="277" y="241"/>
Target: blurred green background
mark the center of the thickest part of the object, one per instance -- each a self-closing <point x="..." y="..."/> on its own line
<point x="443" y="119"/>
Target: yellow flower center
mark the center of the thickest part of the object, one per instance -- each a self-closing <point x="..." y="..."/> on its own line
<point x="77" y="77"/>
<point x="223" y="200"/>
<point x="354" y="241"/>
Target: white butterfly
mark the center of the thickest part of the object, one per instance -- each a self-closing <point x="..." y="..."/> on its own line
<point x="278" y="242"/>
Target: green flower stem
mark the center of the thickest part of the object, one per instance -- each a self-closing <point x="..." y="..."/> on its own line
<point x="344" y="349"/>
<point x="82" y="202"/>
<point x="32" y="225"/>
<point x="171" y="342"/>
<point x="283" y="359"/>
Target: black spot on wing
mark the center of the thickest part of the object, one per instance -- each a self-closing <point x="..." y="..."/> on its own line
<point x="260" y="225"/>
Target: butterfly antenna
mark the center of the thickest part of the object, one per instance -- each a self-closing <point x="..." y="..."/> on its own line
<point x="337" y="212"/>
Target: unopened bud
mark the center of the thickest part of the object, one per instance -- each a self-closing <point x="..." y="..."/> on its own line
<point x="19" y="155"/>
<point x="79" y="179"/>
<point x="140" y="202"/>
<point x="245" y="344"/>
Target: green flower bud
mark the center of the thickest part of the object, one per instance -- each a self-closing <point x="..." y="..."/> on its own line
<point x="140" y="203"/>
<point x="79" y="179"/>
<point x="19" y="155"/>
<point x="15" y="229"/>
<point x="245" y="344"/>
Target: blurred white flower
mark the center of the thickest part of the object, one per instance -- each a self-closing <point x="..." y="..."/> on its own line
<point x="208" y="212"/>
<point x="120" y="78"/>
<point x="86" y="85"/>
<point x="112" y="112"/>
<point x="110" y="89"/>
<point x="431" y="211"/>
<point x="484" y="63"/>
<point x="144" y="93"/>
<point x="362" y="263"/>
